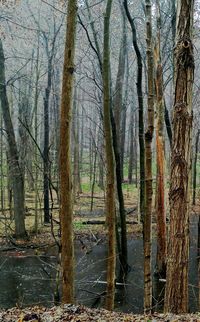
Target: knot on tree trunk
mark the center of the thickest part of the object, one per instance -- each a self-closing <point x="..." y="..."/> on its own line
<point x="180" y="174"/>
<point x="181" y="114"/>
<point x="176" y="194"/>
<point x="70" y="70"/>
<point x="184" y="53"/>
<point x="149" y="134"/>
<point x="180" y="108"/>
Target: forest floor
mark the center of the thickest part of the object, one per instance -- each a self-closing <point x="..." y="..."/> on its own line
<point x="87" y="234"/>
<point x="82" y="314"/>
<point x="89" y="222"/>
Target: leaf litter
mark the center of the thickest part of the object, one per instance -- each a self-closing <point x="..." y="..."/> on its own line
<point x="80" y="313"/>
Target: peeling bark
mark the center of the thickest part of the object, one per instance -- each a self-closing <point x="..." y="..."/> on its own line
<point x="160" y="158"/>
<point x="176" y="295"/>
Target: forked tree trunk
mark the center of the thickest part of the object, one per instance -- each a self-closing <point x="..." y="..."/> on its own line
<point x="110" y="163"/>
<point x="148" y="166"/>
<point x="16" y="173"/>
<point x="160" y="158"/>
<point x="176" y="295"/>
<point x="66" y="210"/>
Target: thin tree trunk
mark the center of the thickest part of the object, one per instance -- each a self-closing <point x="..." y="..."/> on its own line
<point x="46" y="165"/>
<point x="76" y="172"/>
<point x="131" y="147"/>
<point x="36" y="97"/>
<point x="140" y="104"/>
<point x="195" y="168"/>
<point x="101" y="162"/>
<point x="123" y="253"/>
<point x="2" y="166"/>
<point x="160" y="158"/>
<point x="148" y="166"/>
<point x="136" y="152"/>
<point x="124" y="117"/>
<point x="168" y="125"/>
<point x="94" y="178"/>
<point x="118" y="97"/>
<point x="176" y="295"/>
<point x="66" y="211"/>
<point x="110" y="163"/>
<point x="17" y="178"/>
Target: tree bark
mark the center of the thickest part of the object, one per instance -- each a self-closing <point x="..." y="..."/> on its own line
<point x="76" y="165"/>
<point x="160" y="158"/>
<point x="176" y="295"/>
<point x="131" y="146"/>
<point x="110" y="163"/>
<point x="195" y="168"/>
<point x="66" y="207"/>
<point x="148" y="165"/>
<point x="17" y="177"/>
<point x="46" y="165"/>
<point x="140" y="104"/>
<point x="119" y="108"/>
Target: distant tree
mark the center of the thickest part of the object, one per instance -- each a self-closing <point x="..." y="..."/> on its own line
<point x="140" y="109"/>
<point x="14" y="165"/>
<point x="176" y="295"/>
<point x="122" y="245"/>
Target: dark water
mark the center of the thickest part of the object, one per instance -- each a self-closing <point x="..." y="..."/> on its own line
<point x="30" y="280"/>
<point x="25" y="281"/>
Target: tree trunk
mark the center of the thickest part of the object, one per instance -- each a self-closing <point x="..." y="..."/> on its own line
<point x="168" y="125"/>
<point x="17" y="178"/>
<point x="160" y="158"/>
<point x="66" y="211"/>
<point x="76" y="165"/>
<point x="101" y="162"/>
<point x="118" y="95"/>
<point x="46" y="165"/>
<point x="110" y="163"/>
<point x="131" y="147"/>
<point x="36" y="97"/>
<point x="195" y="168"/>
<point x="123" y="253"/>
<point x="148" y="165"/>
<point x="140" y="104"/>
<point x="123" y="121"/>
<point x="176" y="295"/>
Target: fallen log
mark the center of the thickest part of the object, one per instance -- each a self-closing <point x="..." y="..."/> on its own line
<point x="102" y="222"/>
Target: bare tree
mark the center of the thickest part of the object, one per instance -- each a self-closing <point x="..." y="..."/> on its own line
<point x="176" y="296"/>
<point x="110" y="162"/>
<point x="148" y="164"/>
<point x="66" y="210"/>
<point x="16" y="172"/>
